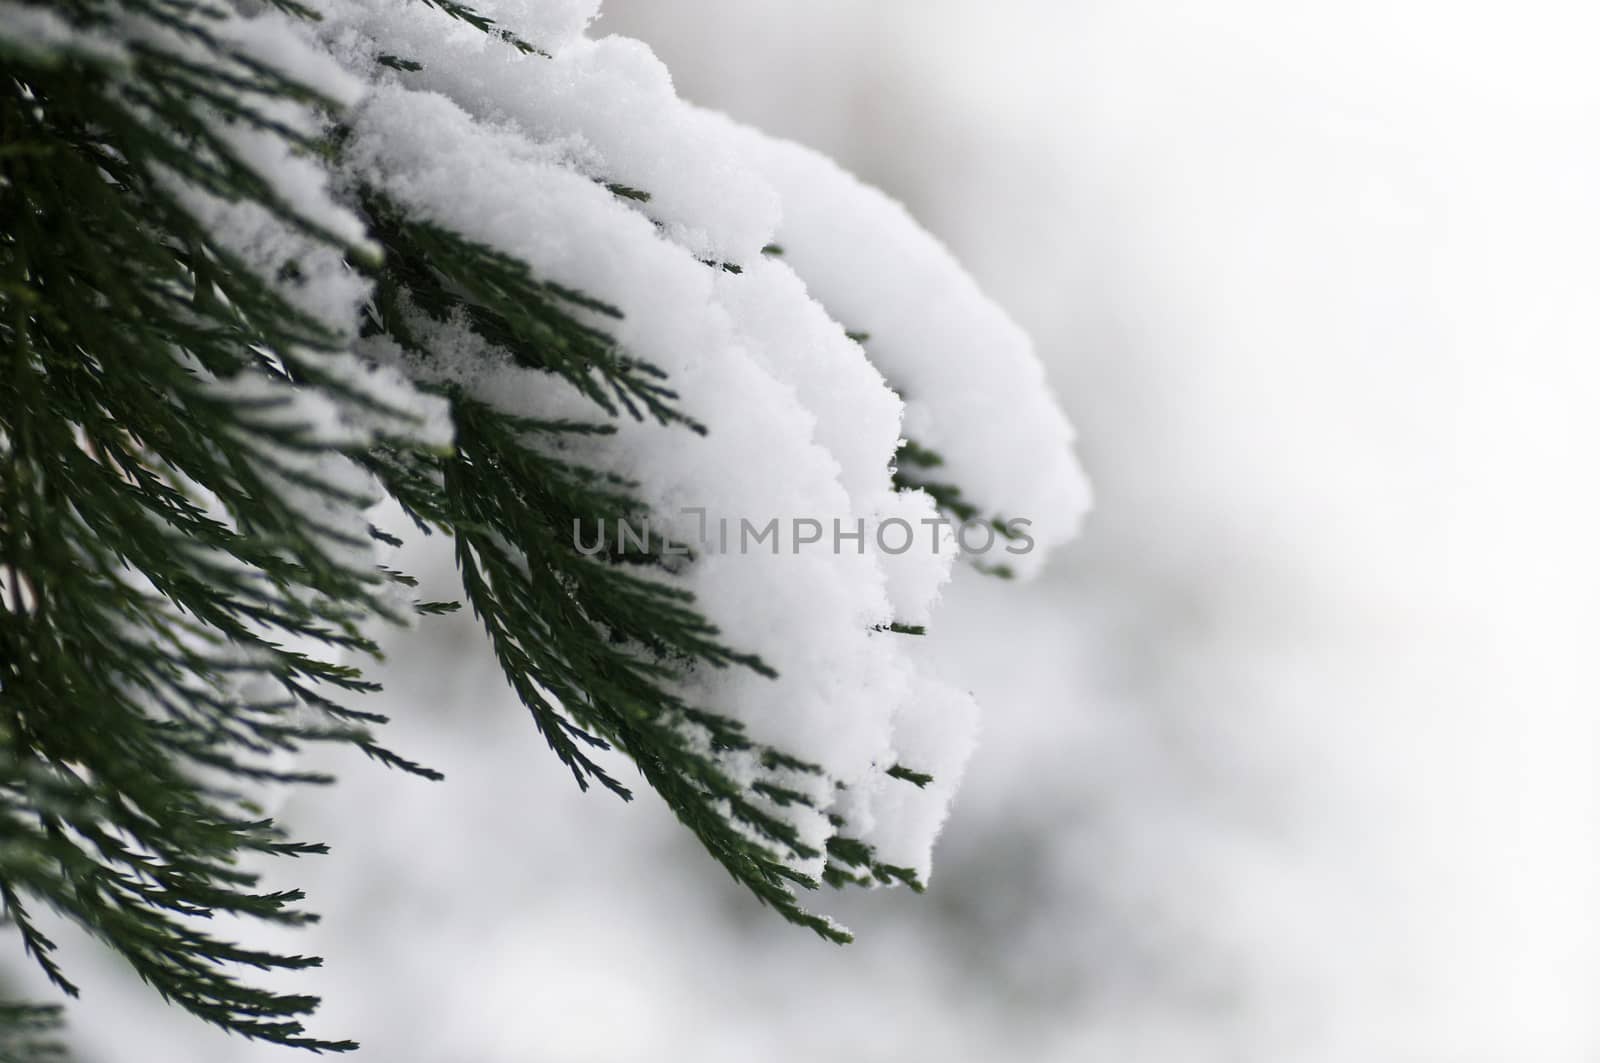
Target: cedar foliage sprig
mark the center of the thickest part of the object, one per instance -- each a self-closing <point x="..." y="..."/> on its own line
<point x="31" y="1033"/>
<point x="182" y="605"/>
<point x="592" y="646"/>
<point x="174" y="605"/>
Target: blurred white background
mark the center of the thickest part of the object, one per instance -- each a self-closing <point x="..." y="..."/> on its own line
<point x="1291" y="757"/>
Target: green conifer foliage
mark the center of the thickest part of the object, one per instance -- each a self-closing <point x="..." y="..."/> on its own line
<point x="161" y="550"/>
<point x="185" y="453"/>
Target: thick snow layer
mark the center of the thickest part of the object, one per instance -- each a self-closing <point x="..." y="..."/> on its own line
<point x="527" y="153"/>
<point x="743" y="373"/>
<point x="975" y="391"/>
<point x="608" y="104"/>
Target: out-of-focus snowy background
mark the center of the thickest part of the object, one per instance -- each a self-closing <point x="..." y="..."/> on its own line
<point x="1292" y="756"/>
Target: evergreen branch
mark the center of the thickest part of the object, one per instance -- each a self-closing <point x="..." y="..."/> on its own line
<point x="484" y="24"/>
<point x="592" y="646"/>
<point x="160" y="522"/>
<point x="29" y="1033"/>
